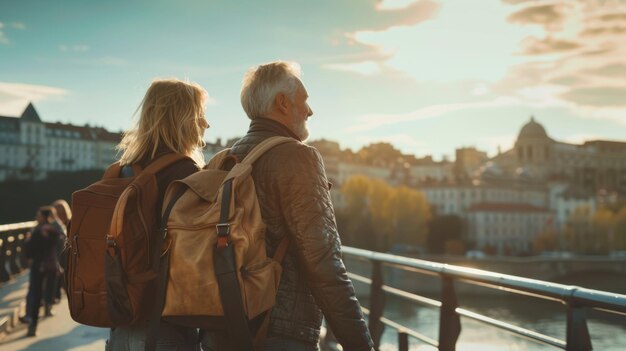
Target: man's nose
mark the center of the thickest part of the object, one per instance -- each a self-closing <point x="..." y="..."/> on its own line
<point x="310" y="111"/>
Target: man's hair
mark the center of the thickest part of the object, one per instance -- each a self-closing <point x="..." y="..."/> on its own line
<point x="170" y="114"/>
<point x="261" y="84"/>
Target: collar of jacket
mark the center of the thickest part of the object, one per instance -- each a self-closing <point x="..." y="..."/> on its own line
<point x="261" y="124"/>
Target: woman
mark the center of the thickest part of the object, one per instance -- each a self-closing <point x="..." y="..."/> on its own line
<point x="64" y="215"/>
<point x="41" y="249"/>
<point x="171" y="120"/>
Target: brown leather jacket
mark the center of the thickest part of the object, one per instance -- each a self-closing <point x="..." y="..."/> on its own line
<point x="294" y="197"/>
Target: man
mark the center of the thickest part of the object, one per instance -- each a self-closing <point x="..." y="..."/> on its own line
<point x="294" y="197"/>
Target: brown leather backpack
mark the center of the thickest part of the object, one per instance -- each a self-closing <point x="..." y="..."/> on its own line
<point x="111" y="254"/>
<point x="215" y="273"/>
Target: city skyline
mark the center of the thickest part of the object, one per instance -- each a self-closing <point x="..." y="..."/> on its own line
<point x="426" y="76"/>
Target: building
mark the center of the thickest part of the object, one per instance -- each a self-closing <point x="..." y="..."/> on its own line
<point x="468" y="161"/>
<point x="426" y="170"/>
<point x="507" y="228"/>
<point x="598" y="165"/>
<point x="30" y="148"/>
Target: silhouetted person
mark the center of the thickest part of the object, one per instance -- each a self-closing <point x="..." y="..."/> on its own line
<point x="41" y="249"/>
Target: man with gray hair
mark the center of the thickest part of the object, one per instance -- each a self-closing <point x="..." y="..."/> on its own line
<point x="293" y="193"/>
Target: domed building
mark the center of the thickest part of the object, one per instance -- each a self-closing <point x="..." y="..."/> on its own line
<point x="533" y="149"/>
<point x="595" y="165"/>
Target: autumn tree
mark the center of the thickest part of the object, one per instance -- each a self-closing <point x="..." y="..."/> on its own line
<point x="376" y="216"/>
<point x="548" y="240"/>
<point x="619" y="233"/>
<point x="603" y="224"/>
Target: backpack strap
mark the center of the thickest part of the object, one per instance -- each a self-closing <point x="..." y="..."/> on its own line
<point x="162" y="267"/>
<point x="113" y="171"/>
<point x="117" y="222"/>
<point x="264" y="146"/>
<point x="162" y="162"/>
<point x="226" y="274"/>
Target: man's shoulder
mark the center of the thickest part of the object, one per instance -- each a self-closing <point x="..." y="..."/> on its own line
<point x="292" y="152"/>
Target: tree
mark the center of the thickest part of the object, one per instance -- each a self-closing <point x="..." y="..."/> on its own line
<point x="619" y="232"/>
<point x="376" y="216"/>
<point x="603" y="224"/>
<point x="548" y="240"/>
<point x="580" y="222"/>
<point x="410" y="214"/>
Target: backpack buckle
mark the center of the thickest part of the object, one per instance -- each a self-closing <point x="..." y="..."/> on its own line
<point x="111" y="242"/>
<point x="223" y="229"/>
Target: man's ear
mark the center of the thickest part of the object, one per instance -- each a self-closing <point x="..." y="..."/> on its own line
<point x="282" y="103"/>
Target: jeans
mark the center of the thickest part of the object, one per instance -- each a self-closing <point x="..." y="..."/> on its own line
<point x="171" y="338"/>
<point x="38" y="281"/>
<point x="219" y="341"/>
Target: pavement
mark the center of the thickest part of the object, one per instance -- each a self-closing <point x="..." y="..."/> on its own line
<point x="56" y="333"/>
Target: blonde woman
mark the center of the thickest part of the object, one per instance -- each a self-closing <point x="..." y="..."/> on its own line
<point x="171" y="120"/>
<point x="64" y="216"/>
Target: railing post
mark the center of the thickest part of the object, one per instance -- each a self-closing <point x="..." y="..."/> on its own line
<point x="377" y="304"/>
<point x="578" y="338"/>
<point x="403" y="341"/>
<point x="21" y="254"/>
<point x="12" y="253"/>
<point x="449" y="320"/>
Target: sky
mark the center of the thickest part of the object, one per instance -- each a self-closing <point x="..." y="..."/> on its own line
<point x="428" y="76"/>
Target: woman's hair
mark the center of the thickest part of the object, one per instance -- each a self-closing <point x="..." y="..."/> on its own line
<point x="262" y="83"/>
<point x="48" y="213"/>
<point x="63" y="210"/>
<point x="171" y="113"/>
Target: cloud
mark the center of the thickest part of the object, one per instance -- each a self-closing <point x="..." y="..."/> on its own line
<point x="407" y="14"/>
<point x="366" y="68"/>
<point x="550" y="16"/>
<point x="614" y="70"/>
<point x="15" y="96"/>
<point x="386" y="15"/>
<point x="600" y="31"/>
<point x="73" y="48"/>
<point x="548" y="45"/>
<point x="15" y="25"/>
<point x="102" y="61"/>
<point x="571" y="80"/>
<point x="3" y="37"/>
<point x="369" y="122"/>
<point x="598" y="96"/>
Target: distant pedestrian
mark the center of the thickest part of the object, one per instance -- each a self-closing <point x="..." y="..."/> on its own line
<point x="41" y="250"/>
<point x="64" y="215"/>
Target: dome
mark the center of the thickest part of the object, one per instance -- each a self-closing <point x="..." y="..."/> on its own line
<point x="532" y="130"/>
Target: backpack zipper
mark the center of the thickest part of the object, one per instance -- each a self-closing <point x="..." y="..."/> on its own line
<point x="75" y="245"/>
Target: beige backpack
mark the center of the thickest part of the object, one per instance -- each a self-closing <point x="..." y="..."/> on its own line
<point x="215" y="273"/>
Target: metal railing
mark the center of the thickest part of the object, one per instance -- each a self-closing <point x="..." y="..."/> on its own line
<point x="12" y="259"/>
<point x="576" y="299"/>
